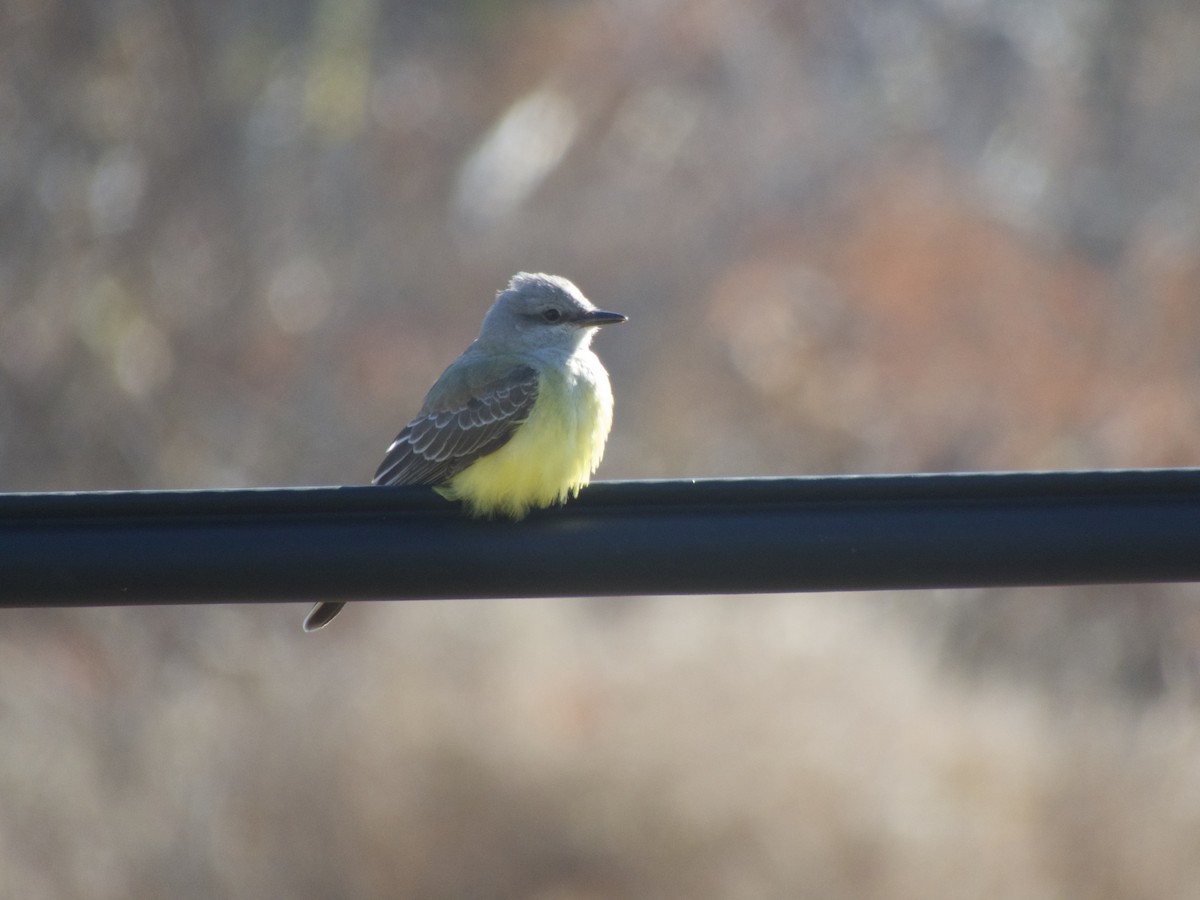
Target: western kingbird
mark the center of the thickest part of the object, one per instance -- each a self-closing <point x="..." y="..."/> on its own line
<point x="519" y="420"/>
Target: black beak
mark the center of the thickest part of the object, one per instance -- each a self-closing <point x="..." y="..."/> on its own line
<point x="598" y="317"/>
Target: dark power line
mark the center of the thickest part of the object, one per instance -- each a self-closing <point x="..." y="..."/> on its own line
<point x="636" y="537"/>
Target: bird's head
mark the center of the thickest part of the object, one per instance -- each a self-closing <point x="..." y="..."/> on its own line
<point x="543" y="311"/>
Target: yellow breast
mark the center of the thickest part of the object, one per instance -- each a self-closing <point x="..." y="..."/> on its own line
<point x="553" y="454"/>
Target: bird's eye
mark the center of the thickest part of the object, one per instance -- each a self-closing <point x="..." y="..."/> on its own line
<point x="551" y="314"/>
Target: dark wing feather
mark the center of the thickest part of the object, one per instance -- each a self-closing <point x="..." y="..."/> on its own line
<point x="441" y="442"/>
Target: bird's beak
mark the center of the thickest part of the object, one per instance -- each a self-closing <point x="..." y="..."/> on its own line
<point x="598" y="317"/>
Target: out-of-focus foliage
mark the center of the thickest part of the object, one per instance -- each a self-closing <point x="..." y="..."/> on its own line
<point x="237" y="243"/>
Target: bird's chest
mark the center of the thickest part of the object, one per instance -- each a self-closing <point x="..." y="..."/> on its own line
<point x="553" y="453"/>
<point x="574" y="402"/>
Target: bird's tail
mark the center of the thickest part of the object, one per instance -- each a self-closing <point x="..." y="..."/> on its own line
<point x="321" y="614"/>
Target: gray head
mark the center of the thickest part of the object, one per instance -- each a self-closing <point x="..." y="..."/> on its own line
<point x="543" y="311"/>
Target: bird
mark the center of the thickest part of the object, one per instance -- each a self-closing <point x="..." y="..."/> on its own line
<point x="519" y="421"/>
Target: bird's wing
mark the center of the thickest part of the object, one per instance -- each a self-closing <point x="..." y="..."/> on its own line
<point x="470" y="418"/>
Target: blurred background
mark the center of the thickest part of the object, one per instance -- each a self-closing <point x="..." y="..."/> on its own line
<point x="239" y="241"/>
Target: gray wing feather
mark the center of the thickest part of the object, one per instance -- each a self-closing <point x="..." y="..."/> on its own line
<point x="440" y="443"/>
